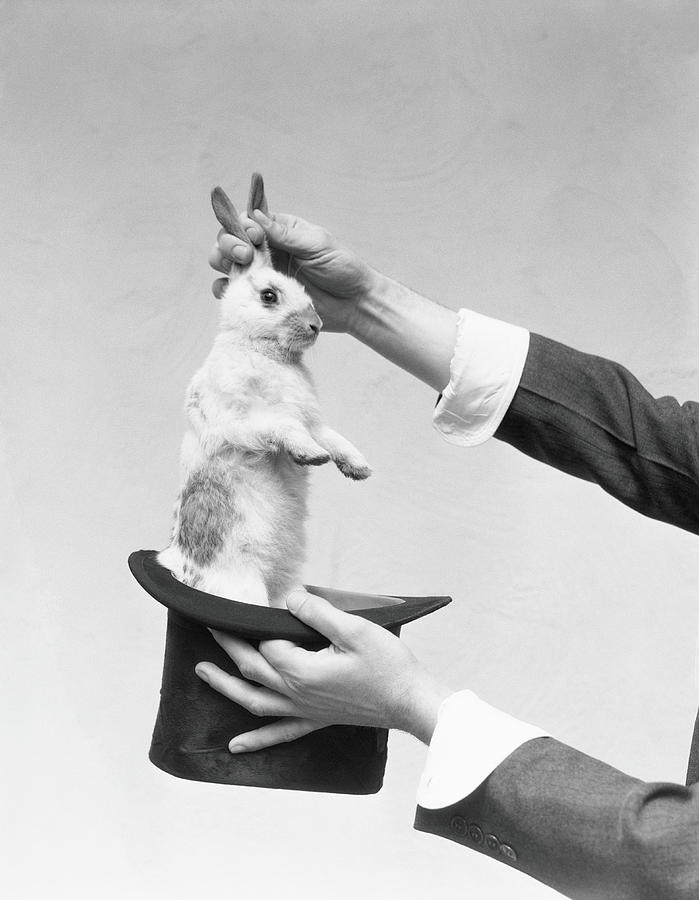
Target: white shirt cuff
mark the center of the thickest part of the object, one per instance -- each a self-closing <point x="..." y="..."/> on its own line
<point x="487" y="365"/>
<point x="470" y="741"/>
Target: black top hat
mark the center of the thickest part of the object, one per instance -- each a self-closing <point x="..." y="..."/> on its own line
<point x="195" y="723"/>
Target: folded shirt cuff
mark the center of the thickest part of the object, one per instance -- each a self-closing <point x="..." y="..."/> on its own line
<point x="470" y="741"/>
<point x="485" y="371"/>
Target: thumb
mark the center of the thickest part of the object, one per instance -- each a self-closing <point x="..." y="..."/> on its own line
<point x="278" y="233"/>
<point x="339" y="627"/>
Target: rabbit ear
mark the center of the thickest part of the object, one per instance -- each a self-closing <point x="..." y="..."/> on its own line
<point x="227" y="215"/>
<point x="257" y="199"/>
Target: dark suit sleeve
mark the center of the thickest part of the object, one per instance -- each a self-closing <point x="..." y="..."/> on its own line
<point x="580" y="826"/>
<point x="568" y="820"/>
<point x="591" y="418"/>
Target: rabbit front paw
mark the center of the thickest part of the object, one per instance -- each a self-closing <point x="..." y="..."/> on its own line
<point x="309" y="454"/>
<point x="354" y="470"/>
<point x="310" y="459"/>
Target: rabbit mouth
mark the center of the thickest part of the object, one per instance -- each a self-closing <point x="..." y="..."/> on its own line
<point x="301" y="341"/>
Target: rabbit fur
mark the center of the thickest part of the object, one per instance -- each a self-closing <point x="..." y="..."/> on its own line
<point x="254" y="428"/>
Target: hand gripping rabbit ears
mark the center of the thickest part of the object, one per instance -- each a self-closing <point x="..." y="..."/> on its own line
<point x="230" y="221"/>
<point x="226" y="213"/>
<point x="254" y="427"/>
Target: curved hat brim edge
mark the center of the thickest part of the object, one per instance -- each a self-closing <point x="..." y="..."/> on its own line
<point x="260" y="622"/>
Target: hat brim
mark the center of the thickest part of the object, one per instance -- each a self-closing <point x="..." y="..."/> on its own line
<point x="259" y="623"/>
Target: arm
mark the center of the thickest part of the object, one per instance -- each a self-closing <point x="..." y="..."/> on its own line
<point x="579" y="826"/>
<point x="591" y="418"/>
<point x="350" y="296"/>
<point x="582" y="414"/>
<point x="549" y="811"/>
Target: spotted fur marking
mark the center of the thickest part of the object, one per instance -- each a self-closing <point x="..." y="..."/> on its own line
<point x="207" y="511"/>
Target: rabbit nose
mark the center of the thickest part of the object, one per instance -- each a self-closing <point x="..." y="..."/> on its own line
<point x="315" y="323"/>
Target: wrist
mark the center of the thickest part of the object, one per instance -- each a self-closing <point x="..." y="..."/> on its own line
<point x="422" y="710"/>
<point x="373" y="304"/>
<point x="407" y="329"/>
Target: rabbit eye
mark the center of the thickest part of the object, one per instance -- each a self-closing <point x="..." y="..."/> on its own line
<point x="269" y="297"/>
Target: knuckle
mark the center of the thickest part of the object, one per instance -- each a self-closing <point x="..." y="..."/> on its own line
<point x="247" y="671"/>
<point x="273" y="656"/>
<point x="226" y="244"/>
<point x="280" y="229"/>
<point x="255" y="706"/>
<point x="266" y="649"/>
<point x="355" y="626"/>
<point x="290" y="733"/>
<point x="275" y="647"/>
<point x="219" y="263"/>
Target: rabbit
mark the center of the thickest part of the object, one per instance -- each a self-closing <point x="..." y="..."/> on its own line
<point x="254" y="428"/>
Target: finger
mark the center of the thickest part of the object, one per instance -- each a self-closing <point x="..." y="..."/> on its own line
<point x="280" y="732"/>
<point x="218" y="287"/>
<point x="228" y="250"/>
<point x="260" y="701"/>
<point x="339" y="627"/>
<point x="235" y="250"/>
<point x="250" y="662"/>
<point x="218" y="261"/>
<point x="279" y="235"/>
<point x="282" y="655"/>
<point x="281" y="242"/>
<point x="254" y="232"/>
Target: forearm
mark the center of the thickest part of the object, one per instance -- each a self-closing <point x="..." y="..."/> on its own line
<point x="409" y="330"/>
<point x="580" y="826"/>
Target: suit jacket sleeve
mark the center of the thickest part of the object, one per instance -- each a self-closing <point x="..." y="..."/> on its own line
<point x="564" y="818"/>
<point x="579" y="826"/>
<point x="591" y="418"/>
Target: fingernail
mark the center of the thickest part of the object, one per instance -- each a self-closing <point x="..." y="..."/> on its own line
<point x="237" y="746"/>
<point x="242" y="254"/>
<point x="202" y="673"/>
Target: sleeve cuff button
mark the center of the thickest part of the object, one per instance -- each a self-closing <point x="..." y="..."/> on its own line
<point x="492" y="843"/>
<point x="458" y="825"/>
<point x="476" y="834"/>
<point x="508" y="852"/>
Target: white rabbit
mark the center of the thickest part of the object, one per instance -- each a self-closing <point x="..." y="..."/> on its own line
<point x="254" y="428"/>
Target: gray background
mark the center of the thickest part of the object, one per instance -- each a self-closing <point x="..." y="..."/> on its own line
<point x="536" y="161"/>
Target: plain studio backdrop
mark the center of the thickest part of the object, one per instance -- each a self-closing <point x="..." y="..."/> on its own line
<point x="535" y="161"/>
